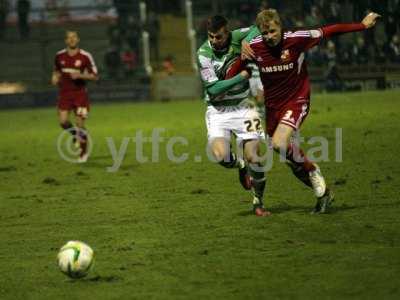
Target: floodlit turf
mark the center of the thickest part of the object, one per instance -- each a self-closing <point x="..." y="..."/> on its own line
<point x="165" y="230"/>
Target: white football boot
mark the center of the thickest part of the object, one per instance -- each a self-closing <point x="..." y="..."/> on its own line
<point x="83" y="158"/>
<point x="325" y="196"/>
<point x="317" y="182"/>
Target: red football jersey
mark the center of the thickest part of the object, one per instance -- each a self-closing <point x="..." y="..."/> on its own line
<point x="67" y="64"/>
<point x="283" y="70"/>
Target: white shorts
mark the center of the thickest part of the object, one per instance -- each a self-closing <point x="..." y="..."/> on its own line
<point x="255" y="86"/>
<point x="242" y="120"/>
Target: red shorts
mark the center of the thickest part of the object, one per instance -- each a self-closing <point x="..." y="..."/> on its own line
<point x="77" y="101"/>
<point x="291" y="114"/>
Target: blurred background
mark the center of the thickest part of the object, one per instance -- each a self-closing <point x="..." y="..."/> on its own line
<point x="145" y="50"/>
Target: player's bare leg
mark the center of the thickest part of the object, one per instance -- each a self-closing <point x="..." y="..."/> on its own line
<point x="306" y="171"/>
<point x="256" y="171"/>
<point x="221" y="150"/>
<point x="82" y="138"/>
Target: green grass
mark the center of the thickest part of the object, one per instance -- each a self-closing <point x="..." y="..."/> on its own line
<point x="166" y="231"/>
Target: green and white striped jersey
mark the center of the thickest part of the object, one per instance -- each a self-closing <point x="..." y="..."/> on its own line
<point x="213" y="66"/>
<point x="255" y="73"/>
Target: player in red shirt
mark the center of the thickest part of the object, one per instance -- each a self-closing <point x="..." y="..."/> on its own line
<point x="72" y="68"/>
<point x="279" y="56"/>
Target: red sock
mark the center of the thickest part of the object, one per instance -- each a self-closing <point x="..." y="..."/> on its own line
<point x="297" y="157"/>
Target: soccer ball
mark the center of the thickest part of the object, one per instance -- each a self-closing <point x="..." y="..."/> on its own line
<point x="75" y="259"/>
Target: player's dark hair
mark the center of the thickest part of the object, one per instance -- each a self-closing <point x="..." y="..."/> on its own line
<point x="215" y="23"/>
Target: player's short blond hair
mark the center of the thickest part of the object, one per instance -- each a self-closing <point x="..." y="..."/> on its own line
<point x="265" y="16"/>
<point x="71" y="31"/>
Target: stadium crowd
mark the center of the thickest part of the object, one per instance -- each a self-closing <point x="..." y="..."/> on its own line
<point x="122" y="57"/>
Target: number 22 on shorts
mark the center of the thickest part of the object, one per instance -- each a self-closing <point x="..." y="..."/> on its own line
<point x="253" y="125"/>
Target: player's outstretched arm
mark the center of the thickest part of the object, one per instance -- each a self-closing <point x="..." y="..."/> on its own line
<point x="368" y="22"/>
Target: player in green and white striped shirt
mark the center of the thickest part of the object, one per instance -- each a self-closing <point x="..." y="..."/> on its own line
<point x="229" y="111"/>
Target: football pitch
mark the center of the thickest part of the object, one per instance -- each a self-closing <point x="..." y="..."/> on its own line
<point x="163" y="229"/>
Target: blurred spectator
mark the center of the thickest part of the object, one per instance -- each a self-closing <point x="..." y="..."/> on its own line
<point x="4" y="6"/>
<point x="360" y="51"/>
<point x="380" y="56"/>
<point x="168" y="65"/>
<point x="333" y="81"/>
<point x="314" y="18"/>
<point x="394" y="49"/>
<point x="391" y="26"/>
<point x="345" y="55"/>
<point x="316" y="57"/>
<point x="112" y="62"/>
<point x="129" y="61"/>
<point x="330" y="52"/>
<point x="115" y="35"/>
<point x="297" y="21"/>
<point x="332" y="11"/>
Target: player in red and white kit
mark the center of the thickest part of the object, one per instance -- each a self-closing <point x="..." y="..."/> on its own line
<point x="279" y="56"/>
<point x="72" y="68"/>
